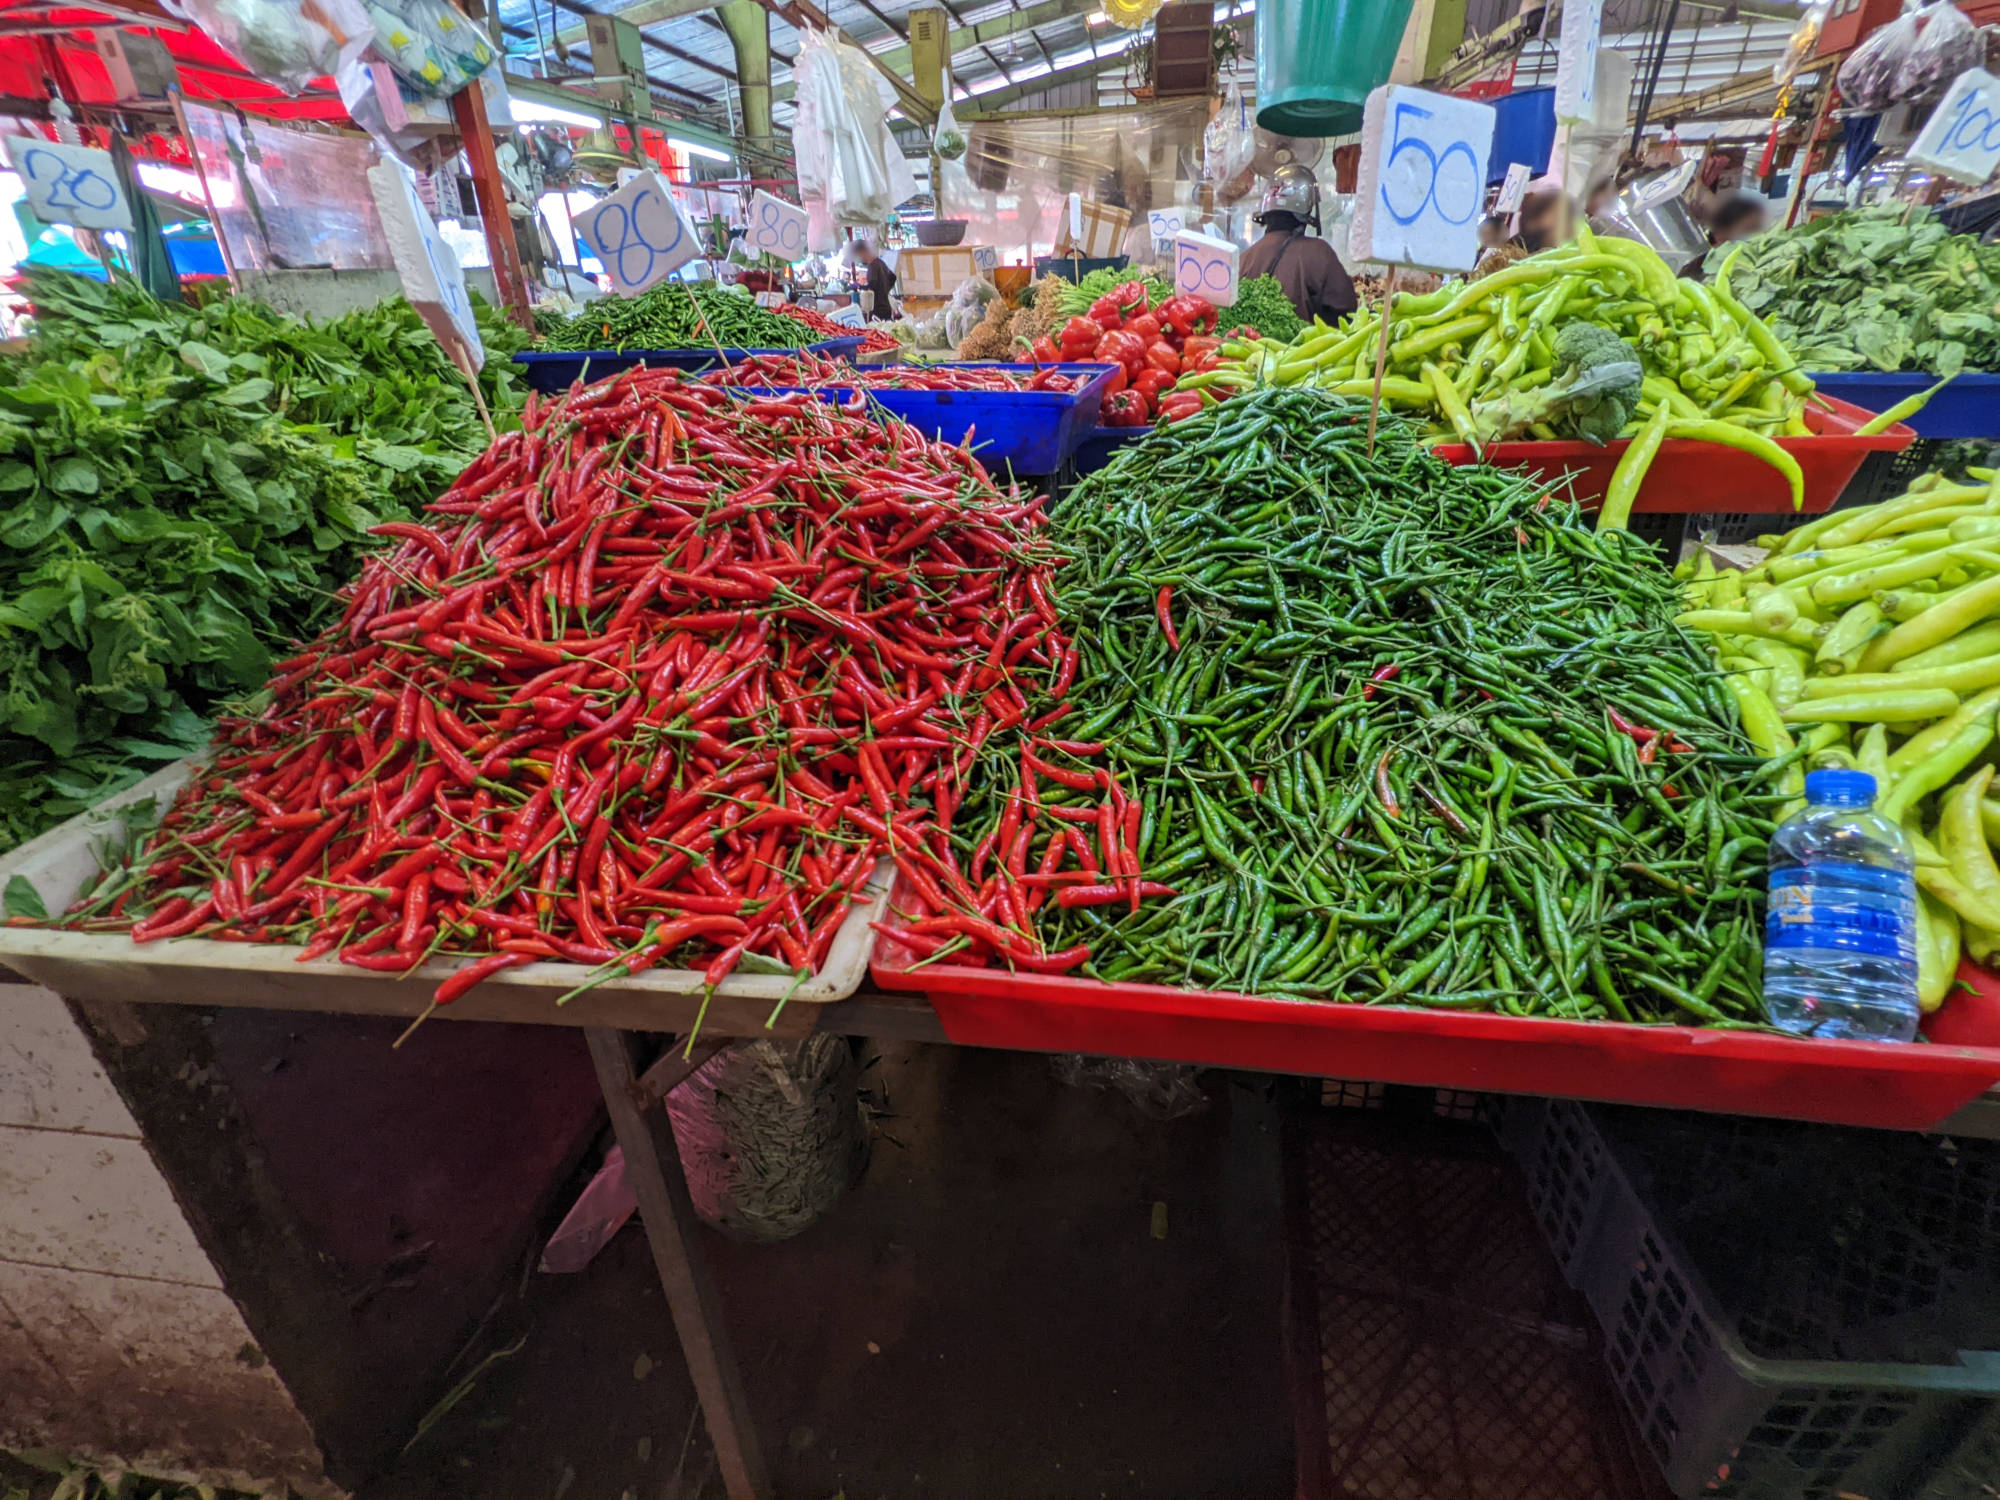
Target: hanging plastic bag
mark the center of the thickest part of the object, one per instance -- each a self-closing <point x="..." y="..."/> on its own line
<point x="435" y="50"/>
<point x="1868" y="78"/>
<point x="287" y="44"/>
<point x="1950" y="44"/>
<point x="948" y="140"/>
<point x="1799" y="50"/>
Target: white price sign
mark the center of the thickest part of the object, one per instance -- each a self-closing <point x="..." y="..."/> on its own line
<point x="427" y="266"/>
<point x="1165" y="223"/>
<point x="1423" y="179"/>
<point x="1206" y="267"/>
<point x="1576" y="60"/>
<point x="639" y="234"/>
<point x="1513" y="190"/>
<point x="69" y="184"/>
<point x="1962" y="139"/>
<point x="776" y="227"/>
<point x="1076" y="216"/>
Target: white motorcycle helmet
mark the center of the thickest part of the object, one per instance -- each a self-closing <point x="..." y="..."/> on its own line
<point x="1294" y="190"/>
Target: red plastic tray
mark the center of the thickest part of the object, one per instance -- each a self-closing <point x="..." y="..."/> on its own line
<point x="1701" y="477"/>
<point x="1884" y="1084"/>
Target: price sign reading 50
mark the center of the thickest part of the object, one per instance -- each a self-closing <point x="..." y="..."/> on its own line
<point x="1962" y="139"/>
<point x="1423" y="179"/>
<point x="639" y="234"/>
<point x="69" y="184"/>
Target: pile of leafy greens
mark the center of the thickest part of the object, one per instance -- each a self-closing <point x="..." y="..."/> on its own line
<point x="182" y="491"/>
<point x="1884" y="288"/>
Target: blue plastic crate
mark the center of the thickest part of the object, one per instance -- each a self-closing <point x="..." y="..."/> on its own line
<point x="1029" y="432"/>
<point x="1967" y="408"/>
<point x="1101" y="444"/>
<point x="549" y="371"/>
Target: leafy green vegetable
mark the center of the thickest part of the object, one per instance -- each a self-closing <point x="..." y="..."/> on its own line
<point x="182" y="490"/>
<point x="1887" y="288"/>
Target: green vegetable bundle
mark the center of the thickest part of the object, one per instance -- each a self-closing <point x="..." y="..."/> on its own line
<point x="678" y="315"/>
<point x="1885" y="288"/>
<point x="1403" y="733"/>
<point x="182" y="490"/>
<point x="1078" y="295"/>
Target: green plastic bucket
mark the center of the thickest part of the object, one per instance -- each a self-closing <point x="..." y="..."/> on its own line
<point x="1317" y="60"/>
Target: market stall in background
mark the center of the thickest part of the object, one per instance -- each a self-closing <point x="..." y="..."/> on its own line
<point x="1452" y="553"/>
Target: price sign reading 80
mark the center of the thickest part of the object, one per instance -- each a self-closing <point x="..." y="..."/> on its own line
<point x="639" y="234"/>
<point x="776" y="227"/>
<point x="69" y="184"/>
<point x="1423" y="179"/>
<point x="1962" y="139"/>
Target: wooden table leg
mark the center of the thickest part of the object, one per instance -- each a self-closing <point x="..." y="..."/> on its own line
<point x="653" y="1168"/>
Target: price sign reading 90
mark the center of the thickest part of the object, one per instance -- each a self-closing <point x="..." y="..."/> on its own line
<point x="639" y="234"/>
<point x="1423" y="179"/>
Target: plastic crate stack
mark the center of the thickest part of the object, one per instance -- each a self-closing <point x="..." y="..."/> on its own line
<point x="1790" y="1311"/>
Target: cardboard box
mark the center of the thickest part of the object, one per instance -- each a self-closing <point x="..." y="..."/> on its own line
<point x="1103" y="230"/>
<point x="925" y="272"/>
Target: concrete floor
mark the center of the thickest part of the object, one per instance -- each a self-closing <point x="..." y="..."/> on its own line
<point x="989" y="1316"/>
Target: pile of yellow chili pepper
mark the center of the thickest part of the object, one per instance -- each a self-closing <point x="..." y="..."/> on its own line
<point x="1711" y="370"/>
<point x="1870" y="638"/>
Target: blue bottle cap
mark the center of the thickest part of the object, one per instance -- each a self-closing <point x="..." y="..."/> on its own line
<point x="1840" y="789"/>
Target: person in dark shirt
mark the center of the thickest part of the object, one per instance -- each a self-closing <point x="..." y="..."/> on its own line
<point x="878" y="281"/>
<point x="1315" y="282"/>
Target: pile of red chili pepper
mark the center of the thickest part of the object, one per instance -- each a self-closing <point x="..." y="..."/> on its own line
<point x="811" y="370"/>
<point x="874" y="340"/>
<point x="667" y="673"/>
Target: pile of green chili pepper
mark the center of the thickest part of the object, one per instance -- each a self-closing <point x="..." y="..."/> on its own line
<point x="678" y="315"/>
<point x="1403" y="732"/>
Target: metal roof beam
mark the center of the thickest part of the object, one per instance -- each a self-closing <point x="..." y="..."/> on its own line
<point x="967" y="38"/>
<point x="984" y="105"/>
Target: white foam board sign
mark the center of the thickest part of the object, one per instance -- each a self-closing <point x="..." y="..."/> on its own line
<point x="1576" y="60"/>
<point x="640" y="234"/>
<point x="76" y="185"/>
<point x="1205" y="266"/>
<point x="425" y="262"/>
<point x="776" y="227"/>
<point x="1422" y="180"/>
<point x="1513" y="190"/>
<point x="1962" y="137"/>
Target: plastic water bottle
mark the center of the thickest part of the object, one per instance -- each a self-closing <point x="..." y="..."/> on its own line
<point x="1840" y="936"/>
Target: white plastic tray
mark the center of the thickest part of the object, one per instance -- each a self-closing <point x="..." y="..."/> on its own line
<point x="205" y="971"/>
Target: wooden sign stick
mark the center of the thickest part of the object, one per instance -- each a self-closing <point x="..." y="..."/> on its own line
<point x="1381" y="358"/>
<point x="458" y="357"/>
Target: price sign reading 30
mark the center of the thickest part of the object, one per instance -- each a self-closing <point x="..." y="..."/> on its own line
<point x="639" y="234"/>
<point x="1423" y="179"/>
<point x="776" y="227"/>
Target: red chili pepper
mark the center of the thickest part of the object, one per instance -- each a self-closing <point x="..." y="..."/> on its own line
<point x="1163" y="606"/>
<point x="1379" y="676"/>
<point x="1385" y="790"/>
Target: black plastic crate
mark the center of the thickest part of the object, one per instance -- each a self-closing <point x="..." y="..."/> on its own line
<point x="1763" y="1287"/>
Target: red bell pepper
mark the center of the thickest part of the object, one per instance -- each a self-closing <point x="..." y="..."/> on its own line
<point x="1146" y="325"/>
<point x="1044" y="351"/>
<point x="1123" y="409"/>
<point x="1198" y="347"/>
<point x="1117" y="381"/>
<point x="1126" y="348"/>
<point x="1160" y="356"/>
<point x="1106" y="313"/>
<point x="1152" y="384"/>
<point x="1078" y="339"/>
<point x="1188" y="315"/>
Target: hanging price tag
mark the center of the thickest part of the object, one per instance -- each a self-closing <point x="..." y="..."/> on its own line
<point x="1962" y="139"/>
<point x="1513" y="190"/>
<point x="1576" y="60"/>
<point x="1165" y="223"/>
<point x="1422" y="181"/>
<point x="640" y="234"/>
<point x="776" y="227"/>
<point x="69" y="184"/>
<point x="1206" y="267"/>
<point x="427" y="266"/>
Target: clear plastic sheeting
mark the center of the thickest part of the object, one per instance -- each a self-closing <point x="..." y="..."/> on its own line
<point x="287" y="200"/>
<point x="1015" y="178"/>
<point x="851" y="170"/>
<point x="287" y="44"/>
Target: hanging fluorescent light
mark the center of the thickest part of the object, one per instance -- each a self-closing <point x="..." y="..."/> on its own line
<point x="1097" y="18"/>
<point x="529" y="112"/>
<point x="708" y="153"/>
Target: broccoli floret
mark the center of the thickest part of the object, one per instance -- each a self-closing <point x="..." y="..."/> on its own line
<point x="1593" y="394"/>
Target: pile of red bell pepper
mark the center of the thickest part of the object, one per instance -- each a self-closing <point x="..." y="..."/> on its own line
<point x="1152" y="349"/>
<point x="665" y="676"/>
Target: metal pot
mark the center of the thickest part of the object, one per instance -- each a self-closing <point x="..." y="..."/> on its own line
<point x="1650" y="210"/>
